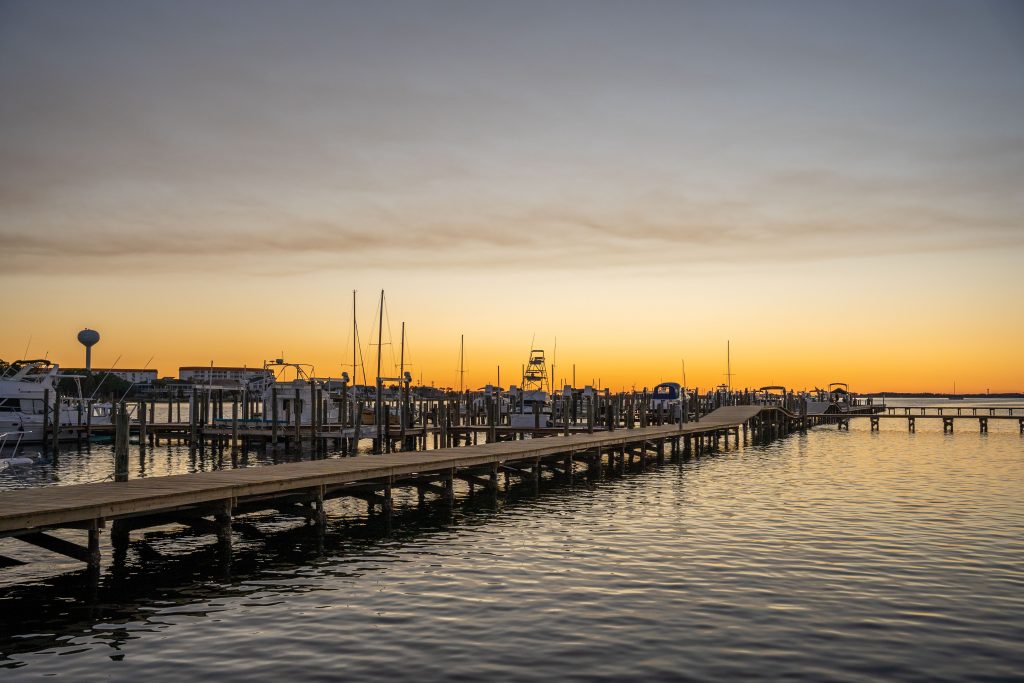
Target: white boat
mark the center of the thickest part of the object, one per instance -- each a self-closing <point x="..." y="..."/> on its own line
<point x="275" y="385"/>
<point x="29" y="400"/>
<point x="531" y="404"/>
<point x="669" y="396"/>
<point x="496" y="395"/>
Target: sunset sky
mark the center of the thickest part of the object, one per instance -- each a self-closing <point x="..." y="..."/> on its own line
<point x="837" y="188"/>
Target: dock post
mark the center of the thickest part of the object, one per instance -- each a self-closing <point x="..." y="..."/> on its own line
<point x="565" y="415"/>
<point x="495" y="415"/>
<point x="223" y="520"/>
<point x="910" y="425"/>
<point x="274" y="436"/>
<point x="120" y="535"/>
<point x="614" y="410"/>
<point x="88" y="422"/>
<point x="121" y="444"/>
<point x="357" y="428"/>
<point x="141" y="408"/>
<point x="449" y="487"/>
<point x="46" y="417"/>
<point x="379" y="415"/>
<point x="442" y="417"/>
<point x="343" y="414"/>
<point x="297" y="412"/>
<point x="192" y="418"/>
<point x="94" y="547"/>
<point x="321" y="510"/>
<point x="234" y="424"/>
<point x="55" y="423"/>
<point x="983" y="424"/>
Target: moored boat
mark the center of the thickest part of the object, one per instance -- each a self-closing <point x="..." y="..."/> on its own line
<point x="30" y="404"/>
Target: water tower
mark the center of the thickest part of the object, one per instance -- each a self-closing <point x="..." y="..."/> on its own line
<point x="88" y="338"/>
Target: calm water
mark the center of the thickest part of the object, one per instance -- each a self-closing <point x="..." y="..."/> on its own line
<point x="830" y="555"/>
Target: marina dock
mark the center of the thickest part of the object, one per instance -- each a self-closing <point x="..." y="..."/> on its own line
<point x="210" y="501"/>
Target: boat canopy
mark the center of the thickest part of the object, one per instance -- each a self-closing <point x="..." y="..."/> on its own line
<point x="667" y="390"/>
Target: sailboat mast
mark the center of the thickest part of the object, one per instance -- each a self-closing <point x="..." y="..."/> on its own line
<point x="401" y="361"/>
<point x="462" y="361"/>
<point x="355" y="341"/>
<point x="380" y="331"/>
<point x="728" y="363"/>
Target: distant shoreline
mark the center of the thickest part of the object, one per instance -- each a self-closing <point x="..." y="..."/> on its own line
<point x="904" y="394"/>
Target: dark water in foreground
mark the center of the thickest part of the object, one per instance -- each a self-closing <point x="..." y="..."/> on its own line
<point x="830" y="555"/>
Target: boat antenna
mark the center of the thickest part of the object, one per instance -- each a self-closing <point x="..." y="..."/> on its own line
<point x="462" y="362"/>
<point x="105" y="376"/>
<point x="144" y="367"/>
<point x="554" y="360"/>
<point x="355" y="340"/>
<point x="391" y="340"/>
<point x="25" y="355"/>
<point x="401" y="367"/>
<point x="683" y="360"/>
<point x="728" y="365"/>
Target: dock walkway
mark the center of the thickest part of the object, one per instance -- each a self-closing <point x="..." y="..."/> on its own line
<point x="302" y="487"/>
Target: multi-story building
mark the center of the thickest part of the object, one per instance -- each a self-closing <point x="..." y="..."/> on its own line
<point x="220" y="376"/>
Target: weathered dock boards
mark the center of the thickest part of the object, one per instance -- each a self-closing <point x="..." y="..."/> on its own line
<point x="303" y="486"/>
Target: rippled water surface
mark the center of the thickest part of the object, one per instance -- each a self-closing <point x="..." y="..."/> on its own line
<point x="829" y="555"/>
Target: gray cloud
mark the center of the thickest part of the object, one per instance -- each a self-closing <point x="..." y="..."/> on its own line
<point x="177" y="137"/>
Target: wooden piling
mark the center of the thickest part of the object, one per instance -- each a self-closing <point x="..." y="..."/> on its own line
<point x="141" y="409"/>
<point x="297" y="414"/>
<point x="234" y="425"/>
<point x="121" y="444"/>
<point x="274" y="436"/>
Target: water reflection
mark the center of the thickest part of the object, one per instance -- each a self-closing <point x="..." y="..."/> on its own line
<point x="830" y="555"/>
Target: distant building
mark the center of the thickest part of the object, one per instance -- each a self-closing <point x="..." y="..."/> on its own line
<point x="221" y="376"/>
<point x="134" y="375"/>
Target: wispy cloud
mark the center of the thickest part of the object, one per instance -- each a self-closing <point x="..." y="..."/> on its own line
<point x="147" y="138"/>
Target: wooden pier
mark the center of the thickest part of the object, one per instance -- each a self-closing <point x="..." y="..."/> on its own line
<point x="208" y="502"/>
<point x="948" y="416"/>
